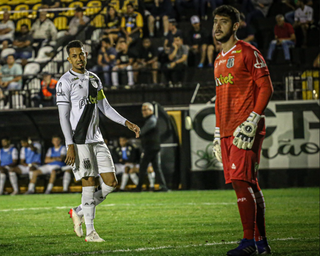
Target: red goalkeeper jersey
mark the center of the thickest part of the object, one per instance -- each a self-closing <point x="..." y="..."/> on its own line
<point x="235" y="74"/>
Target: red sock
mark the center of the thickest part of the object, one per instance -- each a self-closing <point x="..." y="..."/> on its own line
<point x="246" y="205"/>
<point x="260" y="228"/>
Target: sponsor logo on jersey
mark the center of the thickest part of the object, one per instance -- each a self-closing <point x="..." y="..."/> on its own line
<point x="74" y="79"/>
<point x="259" y="61"/>
<point x="230" y="63"/>
<point x="242" y="199"/>
<point x="224" y="80"/>
<point x="239" y="51"/>
<point x="60" y="91"/>
<point x="85" y="101"/>
<point x="233" y="166"/>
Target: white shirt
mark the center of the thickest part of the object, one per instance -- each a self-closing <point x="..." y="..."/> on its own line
<point x="303" y="15"/>
<point x="14" y="153"/>
<point x="9" y="35"/>
<point x="63" y="151"/>
<point x="80" y="92"/>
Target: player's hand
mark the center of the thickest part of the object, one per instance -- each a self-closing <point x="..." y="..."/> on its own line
<point x="133" y="127"/>
<point x="71" y="155"/>
<point x="216" y="150"/>
<point x="245" y="132"/>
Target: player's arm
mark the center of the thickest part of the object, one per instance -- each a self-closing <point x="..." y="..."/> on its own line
<point x="112" y="114"/>
<point x="216" y="149"/>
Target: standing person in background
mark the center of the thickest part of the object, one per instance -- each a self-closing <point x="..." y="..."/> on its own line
<point x="243" y="90"/>
<point x="80" y="96"/>
<point x="150" y="142"/>
<point x="8" y="159"/>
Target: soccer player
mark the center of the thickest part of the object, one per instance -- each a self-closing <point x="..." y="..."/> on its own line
<point x="54" y="160"/>
<point x="79" y="98"/>
<point x="243" y="89"/>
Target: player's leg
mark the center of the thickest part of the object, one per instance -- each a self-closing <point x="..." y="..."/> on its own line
<point x="51" y="181"/>
<point x="3" y="178"/>
<point x="151" y="177"/>
<point x="130" y="75"/>
<point x="33" y="180"/>
<point x="210" y="55"/>
<point x="155" y="72"/>
<point x="203" y="55"/>
<point x="124" y="178"/>
<point x="66" y="178"/>
<point x="145" y="159"/>
<point x="114" y="76"/>
<point x="156" y="164"/>
<point x="133" y="174"/>
<point x="20" y="169"/>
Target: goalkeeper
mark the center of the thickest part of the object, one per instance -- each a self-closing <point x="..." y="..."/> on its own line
<point x="243" y="90"/>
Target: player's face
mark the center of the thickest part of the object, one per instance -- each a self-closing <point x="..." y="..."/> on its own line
<point x="24" y="143"/>
<point x="5" y="143"/>
<point x="56" y="141"/>
<point x="223" y="29"/>
<point x="146" y="111"/>
<point x="122" y="142"/>
<point x="78" y="59"/>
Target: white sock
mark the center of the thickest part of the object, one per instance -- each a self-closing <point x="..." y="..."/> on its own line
<point x="130" y="75"/>
<point x="30" y="175"/>
<point x="14" y="181"/>
<point x="124" y="180"/>
<point x="152" y="178"/>
<point x="66" y="181"/>
<point x="49" y="187"/>
<point x="2" y="182"/>
<point x="31" y="187"/>
<point x="88" y="207"/>
<point x="106" y="190"/>
<point x="134" y="177"/>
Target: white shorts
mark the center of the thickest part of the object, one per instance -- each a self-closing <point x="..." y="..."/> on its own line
<point x="48" y="168"/>
<point x="24" y="169"/>
<point x="92" y="159"/>
<point x="120" y="168"/>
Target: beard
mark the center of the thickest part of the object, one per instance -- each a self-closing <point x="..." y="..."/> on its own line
<point x="226" y="37"/>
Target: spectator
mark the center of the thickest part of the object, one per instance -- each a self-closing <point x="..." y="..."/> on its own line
<point x="76" y="24"/>
<point x="43" y="30"/>
<point x="7" y="29"/>
<point x="106" y="60"/>
<point x="10" y="76"/>
<point x="213" y="5"/>
<point x="148" y="59"/>
<point x="47" y="93"/>
<point x="174" y="70"/>
<point x="246" y="31"/>
<point x="30" y="158"/>
<point x="8" y="158"/>
<point x="124" y="158"/>
<point x="112" y="21"/>
<point x="316" y="62"/>
<point x="161" y="10"/>
<point x="303" y="18"/>
<point x="198" y="41"/>
<point x="131" y="25"/>
<point x="51" y="4"/>
<point x="125" y="61"/>
<point x="23" y="45"/>
<point x="54" y="160"/>
<point x="173" y="31"/>
<point x="187" y="4"/>
<point x="284" y="36"/>
<point x="289" y="16"/>
<point x="255" y="9"/>
<point x="213" y="47"/>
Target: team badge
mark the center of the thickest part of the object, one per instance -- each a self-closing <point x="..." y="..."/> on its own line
<point x="87" y="163"/>
<point x="59" y="91"/>
<point x="230" y="63"/>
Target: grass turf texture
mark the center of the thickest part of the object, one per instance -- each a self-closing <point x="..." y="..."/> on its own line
<point x="175" y="223"/>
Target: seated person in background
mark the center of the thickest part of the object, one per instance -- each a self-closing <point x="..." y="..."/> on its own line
<point x="54" y="160"/>
<point x="213" y="5"/>
<point x="303" y="18"/>
<point x="284" y="36"/>
<point x="198" y="41"/>
<point x="124" y="158"/>
<point x="23" y="45"/>
<point x="30" y="159"/>
<point x="148" y="59"/>
<point x="125" y="60"/>
<point x="174" y="70"/>
<point x="112" y="21"/>
<point x="10" y="76"/>
<point x="131" y="25"/>
<point x="7" y="29"/>
<point x="245" y="31"/>
<point x="255" y="9"/>
<point x="8" y="159"/>
<point x="43" y="30"/>
<point x="181" y="5"/>
<point x="213" y="47"/>
<point x="173" y="31"/>
<point x="47" y="93"/>
<point x="162" y="9"/>
<point x="106" y="60"/>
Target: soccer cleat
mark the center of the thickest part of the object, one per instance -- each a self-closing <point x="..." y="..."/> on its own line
<point x="246" y="248"/>
<point x="263" y="247"/>
<point x="29" y="192"/>
<point x="94" y="237"/>
<point x="77" y="222"/>
<point x="14" y="193"/>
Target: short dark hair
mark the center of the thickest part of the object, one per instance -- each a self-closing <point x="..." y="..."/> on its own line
<point x="227" y="11"/>
<point x="10" y="55"/>
<point x="56" y="136"/>
<point x="74" y="44"/>
<point x="24" y="139"/>
<point x="5" y="138"/>
<point x="79" y="9"/>
<point x="131" y="4"/>
<point x="24" y="25"/>
<point x="106" y="40"/>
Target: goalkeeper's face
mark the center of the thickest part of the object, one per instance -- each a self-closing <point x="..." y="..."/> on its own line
<point x="223" y="28"/>
<point x="78" y="59"/>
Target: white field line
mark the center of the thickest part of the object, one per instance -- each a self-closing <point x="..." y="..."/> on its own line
<point x="105" y="205"/>
<point x="173" y="247"/>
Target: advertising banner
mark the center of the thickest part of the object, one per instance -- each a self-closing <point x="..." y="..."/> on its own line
<point x="292" y="136"/>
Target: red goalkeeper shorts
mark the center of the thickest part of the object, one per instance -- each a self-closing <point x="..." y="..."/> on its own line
<point x="240" y="164"/>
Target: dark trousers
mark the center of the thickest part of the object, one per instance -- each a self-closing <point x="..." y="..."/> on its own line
<point x="152" y="157"/>
<point x="175" y="74"/>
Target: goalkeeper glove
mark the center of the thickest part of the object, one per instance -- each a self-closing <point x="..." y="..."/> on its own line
<point x="245" y="132"/>
<point x="216" y="150"/>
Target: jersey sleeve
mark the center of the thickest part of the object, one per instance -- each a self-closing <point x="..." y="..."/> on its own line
<point x="139" y="20"/>
<point x="48" y="153"/>
<point x="255" y="63"/>
<point x="22" y="153"/>
<point x="14" y="154"/>
<point x="63" y="92"/>
<point x="63" y="151"/>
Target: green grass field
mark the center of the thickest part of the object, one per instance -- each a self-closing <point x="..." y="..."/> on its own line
<point x="174" y="223"/>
